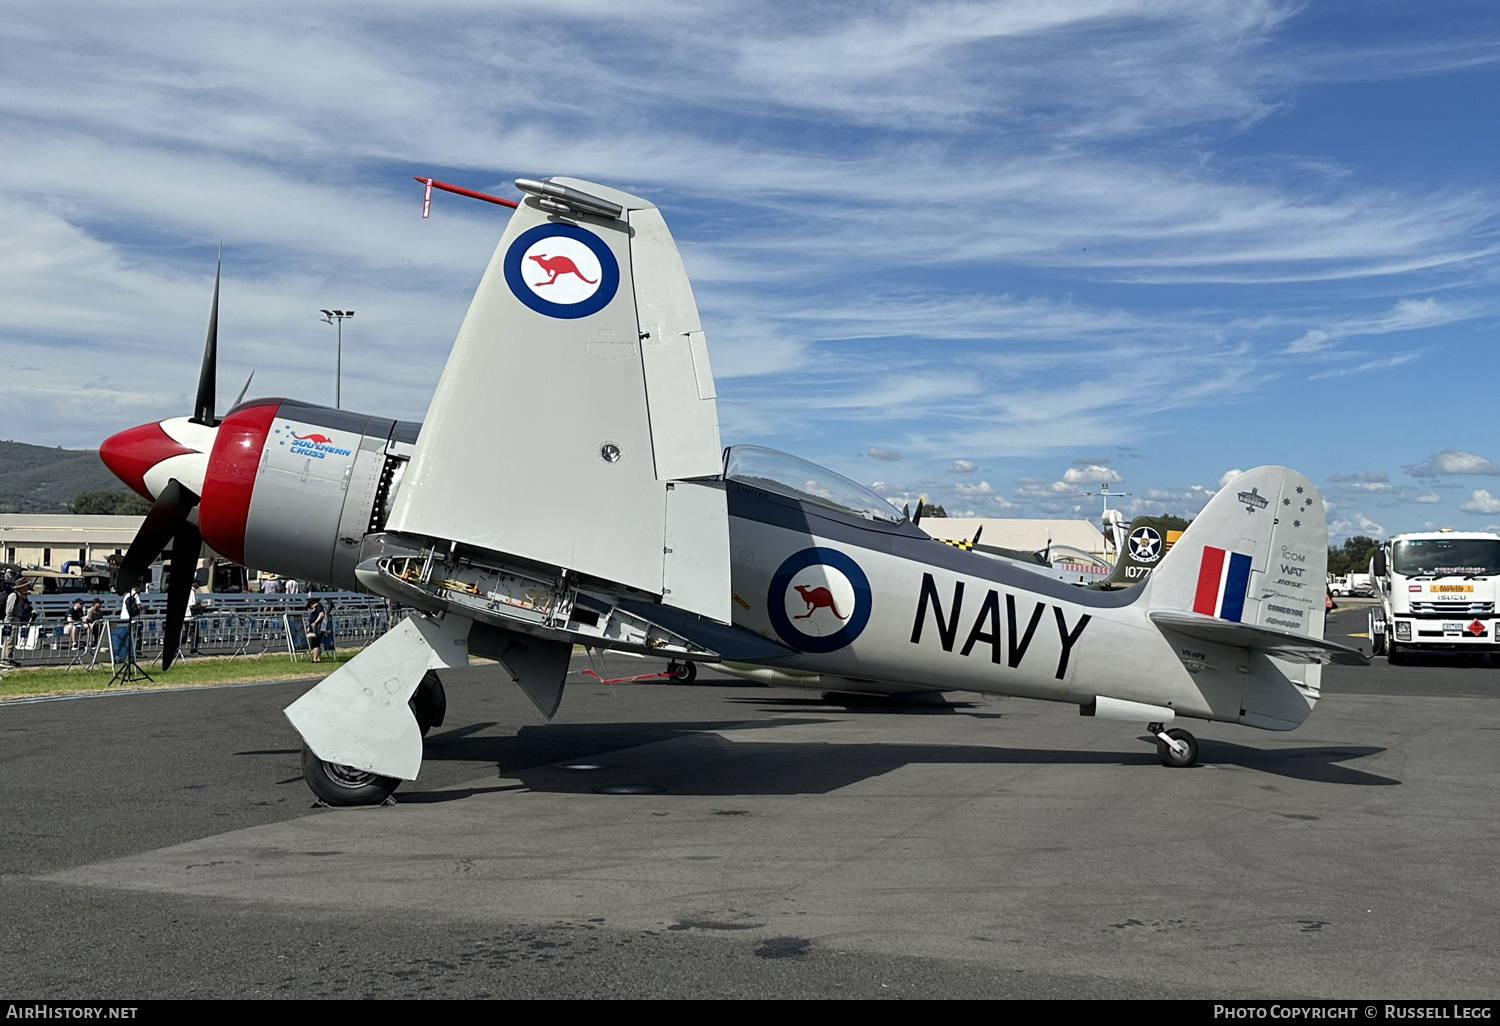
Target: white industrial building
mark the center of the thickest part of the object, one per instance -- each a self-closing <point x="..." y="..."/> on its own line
<point x="52" y="539"/>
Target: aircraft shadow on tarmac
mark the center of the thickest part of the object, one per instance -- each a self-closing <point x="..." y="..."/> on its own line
<point x="870" y="706"/>
<point x="701" y="762"/>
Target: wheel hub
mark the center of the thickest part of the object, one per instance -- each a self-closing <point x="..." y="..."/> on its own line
<point x="348" y="776"/>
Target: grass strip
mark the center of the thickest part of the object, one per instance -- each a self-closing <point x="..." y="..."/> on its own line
<point x="199" y="670"/>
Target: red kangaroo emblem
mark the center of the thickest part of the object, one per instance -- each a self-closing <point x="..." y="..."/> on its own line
<point x="319" y="439"/>
<point x="558" y="265"/>
<point x="816" y="598"/>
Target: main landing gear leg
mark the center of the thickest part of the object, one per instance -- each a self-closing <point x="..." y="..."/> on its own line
<point x="1175" y="747"/>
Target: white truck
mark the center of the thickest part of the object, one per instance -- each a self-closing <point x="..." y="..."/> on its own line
<point x="1362" y="585"/>
<point x="1437" y="594"/>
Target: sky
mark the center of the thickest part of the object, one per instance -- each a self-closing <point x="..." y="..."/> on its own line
<point x="998" y="254"/>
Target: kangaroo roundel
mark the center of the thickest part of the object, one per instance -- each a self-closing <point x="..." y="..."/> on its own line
<point x="819" y="600"/>
<point x="562" y="270"/>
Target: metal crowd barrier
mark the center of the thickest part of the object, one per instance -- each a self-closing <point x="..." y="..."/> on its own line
<point x="247" y="625"/>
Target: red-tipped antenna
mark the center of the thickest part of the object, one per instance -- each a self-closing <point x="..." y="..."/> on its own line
<point x="460" y="190"/>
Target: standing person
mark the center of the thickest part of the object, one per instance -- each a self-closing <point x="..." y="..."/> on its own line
<point x="317" y="624"/>
<point x="195" y="607"/>
<point x="330" y="625"/>
<point x="17" y="614"/>
<point x="291" y="585"/>
<point x="130" y="612"/>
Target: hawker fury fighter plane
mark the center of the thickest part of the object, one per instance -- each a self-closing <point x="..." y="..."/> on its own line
<point x="584" y="331"/>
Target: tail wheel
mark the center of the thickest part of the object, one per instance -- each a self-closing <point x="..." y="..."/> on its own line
<point x="682" y="673"/>
<point x="344" y="785"/>
<point x="1169" y="757"/>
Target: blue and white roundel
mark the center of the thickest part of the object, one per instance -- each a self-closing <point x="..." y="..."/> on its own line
<point x="562" y="270"/>
<point x="819" y="600"/>
<point x="1145" y="544"/>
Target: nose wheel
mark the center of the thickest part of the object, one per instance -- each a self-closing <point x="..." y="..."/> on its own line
<point x="344" y="785"/>
<point x="1175" y="747"/>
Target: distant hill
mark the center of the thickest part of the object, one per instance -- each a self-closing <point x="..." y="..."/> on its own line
<point x="36" y="479"/>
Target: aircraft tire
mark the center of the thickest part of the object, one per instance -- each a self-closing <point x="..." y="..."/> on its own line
<point x="1171" y="758"/>
<point x="429" y="703"/>
<point x="683" y="673"/>
<point x="344" y="785"/>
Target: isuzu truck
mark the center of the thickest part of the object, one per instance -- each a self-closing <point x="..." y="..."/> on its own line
<point x="1437" y="594"/>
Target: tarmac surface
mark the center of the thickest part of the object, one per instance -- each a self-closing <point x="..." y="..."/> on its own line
<point x="164" y="846"/>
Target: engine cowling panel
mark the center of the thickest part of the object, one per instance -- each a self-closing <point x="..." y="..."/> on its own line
<point x="294" y="488"/>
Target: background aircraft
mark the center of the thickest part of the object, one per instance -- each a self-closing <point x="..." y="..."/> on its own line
<point x="589" y="376"/>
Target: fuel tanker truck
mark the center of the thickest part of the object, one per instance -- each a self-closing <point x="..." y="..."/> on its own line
<point x="1437" y="594"/>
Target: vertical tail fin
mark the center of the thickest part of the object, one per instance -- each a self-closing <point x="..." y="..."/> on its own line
<point x="1257" y="555"/>
<point x="1241" y="598"/>
<point x="1147" y="541"/>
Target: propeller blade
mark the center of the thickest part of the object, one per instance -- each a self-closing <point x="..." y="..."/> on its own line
<point x="241" y="397"/>
<point x="208" y="374"/>
<point x="170" y="509"/>
<point x="921" y="501"/>
<point x="186" y="543"/>
<point x="977" y="533"/>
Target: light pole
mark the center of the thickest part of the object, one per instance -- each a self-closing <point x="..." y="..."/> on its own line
<point x="332" y="317"/>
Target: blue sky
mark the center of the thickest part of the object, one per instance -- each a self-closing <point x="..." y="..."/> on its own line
<point x="996" y="253"/>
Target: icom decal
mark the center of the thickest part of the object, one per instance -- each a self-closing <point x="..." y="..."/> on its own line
<point x="819" y="600"/>
<point x="561" y="270"/>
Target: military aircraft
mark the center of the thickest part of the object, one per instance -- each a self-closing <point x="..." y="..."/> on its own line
<point x="581" y="373"/>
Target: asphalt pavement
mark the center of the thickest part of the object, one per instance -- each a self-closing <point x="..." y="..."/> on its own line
<point x="729" y="840"/>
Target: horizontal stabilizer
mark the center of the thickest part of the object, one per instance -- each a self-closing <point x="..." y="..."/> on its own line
<point x="1274" y="641"/>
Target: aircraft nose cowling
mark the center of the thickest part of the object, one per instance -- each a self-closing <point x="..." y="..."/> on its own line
<point x="131" y="453"/>
<point x="233" y="464"/>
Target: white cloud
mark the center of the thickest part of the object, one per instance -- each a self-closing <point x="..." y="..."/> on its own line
<point x="1405" y="315"/>
<point x="1156" y="501"/>
<point x="1428" y="497"/>
<point x="889" y="455"/>
<point x="967" y="490"/>
<point x="1481" y="501"/>
<point x="1385" y="363"/>
<point x="1093" y="474"/>
<point x="963" y="467"/>
<point x="1228" y="476"/>
<point x="1452" y="461"/>
<point x="1352" y="523"/>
